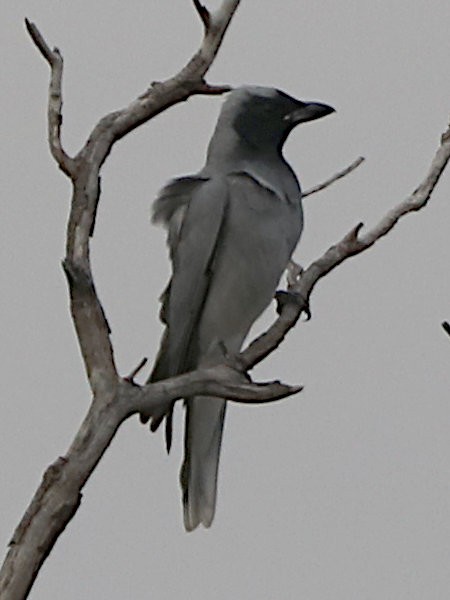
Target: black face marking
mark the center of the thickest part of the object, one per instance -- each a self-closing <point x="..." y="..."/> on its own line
<point x="289" y="100"/>
<point x="262" y="119"/>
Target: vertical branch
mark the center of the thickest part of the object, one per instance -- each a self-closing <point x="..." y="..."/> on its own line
<point x="55" y="60"/>
<point x="59" y="495"/>
<point x="87" y="312"/>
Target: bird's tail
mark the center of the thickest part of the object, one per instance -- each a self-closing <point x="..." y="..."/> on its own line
<point x="198" y="477"/>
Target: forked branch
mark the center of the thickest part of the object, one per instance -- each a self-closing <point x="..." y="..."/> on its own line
<point x="116" y="398"/>
<point x="351" y="244"/>
<point x="58" y="497"/>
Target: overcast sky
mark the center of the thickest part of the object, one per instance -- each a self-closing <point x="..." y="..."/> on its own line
<point x="341" y="492"/>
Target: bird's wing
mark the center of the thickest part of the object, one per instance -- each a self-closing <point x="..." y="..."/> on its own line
<point x="193" y="241"/>
<point x="171" y="204"/>
<point x="259" y="234"/>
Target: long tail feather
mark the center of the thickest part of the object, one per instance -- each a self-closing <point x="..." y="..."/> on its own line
<point x="198" y="477"/>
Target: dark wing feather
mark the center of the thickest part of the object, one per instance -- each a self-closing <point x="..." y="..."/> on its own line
<point x="192" y="252"/>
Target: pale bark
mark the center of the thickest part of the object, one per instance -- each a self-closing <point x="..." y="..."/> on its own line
<point x="115" y="398"/>
<point x="296" y="301"/>
<point x="59" y="495"/>
<point x="339" y="175"/>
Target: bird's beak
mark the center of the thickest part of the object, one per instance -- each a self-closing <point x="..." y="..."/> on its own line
<point x="309" y="111"/>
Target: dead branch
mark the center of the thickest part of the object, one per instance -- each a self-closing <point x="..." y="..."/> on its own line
<point x="115" y="398"/>
<point x="54" y="117"/>
<point x="339" y="175"/>
<point x="59" y="494"/>
<point x="203" y="13"/>
<point x="221" y="381"/>
<point x="351" y="244"/>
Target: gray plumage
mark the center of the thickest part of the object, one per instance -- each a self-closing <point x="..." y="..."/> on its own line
<point x="232" y="229"/>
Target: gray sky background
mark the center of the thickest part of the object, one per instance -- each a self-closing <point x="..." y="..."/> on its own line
<point x="341" y="492"/>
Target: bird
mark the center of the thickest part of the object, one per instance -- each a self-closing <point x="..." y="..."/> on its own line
<point x="232" y="229"/>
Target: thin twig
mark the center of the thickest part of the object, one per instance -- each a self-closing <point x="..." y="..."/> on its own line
<point x="203" y="13"/>
<point x="321" y="186"/>
<point x="206" y="89"/>
<point x="136" y="370"/>
<point x="55" y="60"/>
<point x="39" y="41"/>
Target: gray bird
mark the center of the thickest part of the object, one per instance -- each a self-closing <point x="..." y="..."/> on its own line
<point x="232" y="229"/>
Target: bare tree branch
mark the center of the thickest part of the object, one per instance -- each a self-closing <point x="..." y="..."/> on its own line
<point x="136" y="370"/>
<point x="59" y="495"/>
<point x="297" y="300"/>
<point x="203" y="13"/>
<point x="221" y="381"/>
<point x="41" y="44"/>
<point x="115" y="398"/>
<point x="55" y="60"/>
<point x="88" y="315"/>
<point x="321" y="186"/>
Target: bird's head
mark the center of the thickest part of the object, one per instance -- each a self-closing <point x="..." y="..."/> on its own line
<point x="264" y="117"/>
